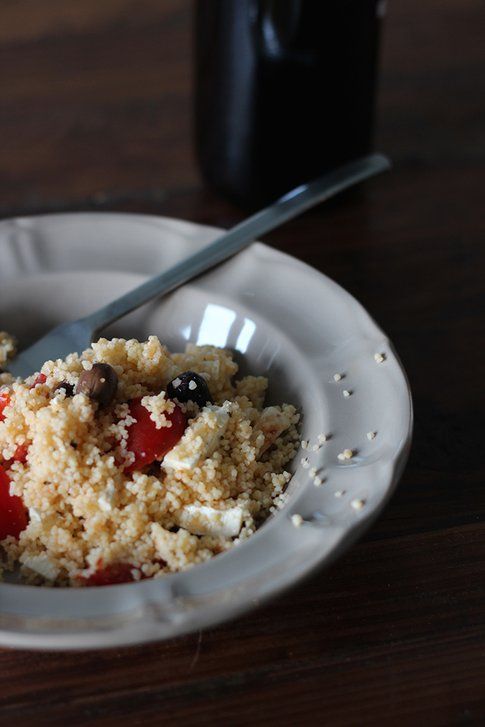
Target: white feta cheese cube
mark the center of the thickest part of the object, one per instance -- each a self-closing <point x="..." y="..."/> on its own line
<point x="34" y="515"/>
<point x="42" y="565"/>
<point x="104" y="503"/>
<point x="106" y="498"/>
<point x="200" y="439"/>
<point x="204" y="520"/>
<point x="272" y="423"/>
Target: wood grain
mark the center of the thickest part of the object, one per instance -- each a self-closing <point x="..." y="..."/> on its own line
<point x="95" y="114"/>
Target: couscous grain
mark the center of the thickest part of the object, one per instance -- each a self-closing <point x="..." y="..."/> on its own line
<point x="104" y="498"/>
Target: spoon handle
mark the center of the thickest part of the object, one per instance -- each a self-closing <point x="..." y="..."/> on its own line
<point x="228" y="244"/>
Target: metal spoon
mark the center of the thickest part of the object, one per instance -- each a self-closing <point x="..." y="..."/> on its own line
<point x="77" y="336"/>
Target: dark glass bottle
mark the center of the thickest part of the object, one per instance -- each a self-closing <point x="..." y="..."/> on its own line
<point x="284" y="89"/>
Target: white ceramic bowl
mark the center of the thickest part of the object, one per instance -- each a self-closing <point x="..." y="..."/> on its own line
<point x="287" y="321"/>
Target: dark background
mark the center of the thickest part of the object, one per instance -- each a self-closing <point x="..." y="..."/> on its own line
<point x="95" y="114"/>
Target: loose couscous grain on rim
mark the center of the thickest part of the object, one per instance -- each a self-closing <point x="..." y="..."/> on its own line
<point x="100" y="513"/>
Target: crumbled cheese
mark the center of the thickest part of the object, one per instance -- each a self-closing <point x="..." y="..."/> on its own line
<point x="322" y="438"/>
<point x="176" y="382"/>
<point x="34" y="515"/>
<point x="379" y="357"/>
<point x="346" y="393"/>
<point x="297" y="520"/>
<point x="371" y="435"/>
<point x="204" y="520"/>
<point x="339" y="493"/>
<point x="272" y="423"/>
<point x="305" y="462"/>
<point x="312" y="472"/>
<point x="104" y="503"/>
<point x="346" y="454"/>
<point x="317" y="481"/>
<point x="192" y="385"/>
<point x="304" y="443"/>
<point x="42" y="565"/>
<point x="357" y="504"/>
<point x="337" y="377"/>
<point x="200" y="439"/>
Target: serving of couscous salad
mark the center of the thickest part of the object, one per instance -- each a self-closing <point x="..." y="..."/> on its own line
<point x="129" y="462"/>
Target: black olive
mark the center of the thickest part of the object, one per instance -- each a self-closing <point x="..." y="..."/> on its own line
<point x="154" y="469"/>
<point x="68" y="388"/>
<point x="99" y="383"/>
<point x="189" y="386"/>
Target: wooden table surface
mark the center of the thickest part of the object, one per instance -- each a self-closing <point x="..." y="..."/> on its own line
<point x="95" y="114"/>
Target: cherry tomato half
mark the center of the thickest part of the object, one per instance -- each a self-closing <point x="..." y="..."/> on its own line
<point x="13" y="515"/>
<point x="111" y="574"/>
<point x="4" y="402"/>
<point x="146" y="441"/>
<point x="20" y="455"/>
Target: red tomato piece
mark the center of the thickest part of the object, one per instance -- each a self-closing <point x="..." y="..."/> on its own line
<point x="4" y="402"/>
<point x="21" y="452"/>
<point x="111" y="574"/>
<point x="20" y="455"/>
<point x="39" y="379"/>
<point x="146" y="441"/>
<point x="13" y="515"/>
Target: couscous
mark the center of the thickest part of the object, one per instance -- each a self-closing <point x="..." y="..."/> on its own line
<point x="130" y="462"/>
